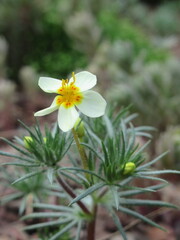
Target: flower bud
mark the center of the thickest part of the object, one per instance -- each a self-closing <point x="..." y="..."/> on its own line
<point x="79" y="127"/>
<point x="129" y="168"/>
<point x="27" y="140"/>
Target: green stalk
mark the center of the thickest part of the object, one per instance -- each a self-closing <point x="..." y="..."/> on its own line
<point x="81" y="153"/>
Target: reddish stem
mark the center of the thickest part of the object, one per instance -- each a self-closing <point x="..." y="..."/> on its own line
<point x="91" y="226"/>
<point x="68" y="189"/>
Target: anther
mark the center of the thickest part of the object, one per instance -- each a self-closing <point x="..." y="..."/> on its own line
<point x="74" y="78"/>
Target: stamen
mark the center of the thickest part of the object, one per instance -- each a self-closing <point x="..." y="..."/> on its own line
<point x="74" y="78"/>
<point x="63" y="83"/>
<point x="69" y="94"/>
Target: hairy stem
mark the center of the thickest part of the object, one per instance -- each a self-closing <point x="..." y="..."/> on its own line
<point x="81" y="152"/>
<point x="68" y="189"/>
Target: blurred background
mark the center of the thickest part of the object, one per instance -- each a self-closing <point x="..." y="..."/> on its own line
<point x="132" y="46"/>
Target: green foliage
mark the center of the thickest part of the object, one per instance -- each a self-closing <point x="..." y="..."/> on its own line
<point x="55" y="50"/>
<point x="47" y="37"/>
<point x="28" y="191"/>
<point x="47" y="232"/>
<point x="126" y="31"/>
<point x="163" y="19"/>
<point x="159" y="21"/>
<point x="43" y="156"/>
<point x="36" y="36"/>
<point x="170" y="139"/>
<point x="51" y="148"/>
<point x="153" y="92"/>
<point x="115" y="159"/>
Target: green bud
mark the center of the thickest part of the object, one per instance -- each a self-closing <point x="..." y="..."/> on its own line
<point x="129" y="168"/>
<point x="79" y="127"/>
<point x="27" y="140"/>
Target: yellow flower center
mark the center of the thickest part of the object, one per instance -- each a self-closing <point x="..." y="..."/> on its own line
<point x="69" y="94"/>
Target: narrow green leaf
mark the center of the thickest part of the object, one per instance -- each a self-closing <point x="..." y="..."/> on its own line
<point x="50" y="175"/>
<point x="151" y="178"/>
<point x="130" y="118"/>
<point x="120" y="115"/>
<point x="81" y="170"/>
<point x="20" y="164"/>
<point x="131" y="141"/>
<point x="22" y="206"/>
<point x="46" y="215"/>
<point x="126" y="181"/>
<point x="52" y="207"/>
<point x="65" y="229"/>
<point x="94" y="136"/>
<point x="143" y="134"/>
<point x="78" y="231"/>
<point x="74" y="179"/>
<point x="87" y="192"/>
<point x="142" y="148"/>
<point x="144" y="202"/>
<point x="11" y="197"/>
<point x="94" y="151"/>
<point x="115" y="196"/>
<point x="143" y="218"/>
<point x="136" y="188"/>
<point x="47" y="224"/>
<point x="15" y="147"/>
<point x="106" y="156"/>
<point x="159" y="172"/>
<point x="145" y="128"/>
<point x="119" y="225"/>
<point x="28" y="129"/>
<point x="142" y="190"/>
<point x="152" y="162"/>
<point x="109" y="126"/>
<point x="15" y="156"/>
<point x="27" y="176"/>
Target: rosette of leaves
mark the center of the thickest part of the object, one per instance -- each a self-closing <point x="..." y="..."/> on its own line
<point x="41" y="153"/>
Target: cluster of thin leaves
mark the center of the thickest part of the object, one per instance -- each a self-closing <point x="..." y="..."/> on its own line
<point x="44" y="151"/>
<point x="110" y="143"/>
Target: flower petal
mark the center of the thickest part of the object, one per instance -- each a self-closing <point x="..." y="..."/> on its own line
<point x="49" y="85"/>
<point x="48" y="110"/>
<point x="93" y="104"/>
<point x="85" y="80"/>
<point x="67" y="118"/>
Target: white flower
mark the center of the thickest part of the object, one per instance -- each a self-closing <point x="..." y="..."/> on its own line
<point x="73" y="94"/>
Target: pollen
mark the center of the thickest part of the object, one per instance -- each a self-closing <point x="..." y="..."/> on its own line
<point x="69" y="94"/>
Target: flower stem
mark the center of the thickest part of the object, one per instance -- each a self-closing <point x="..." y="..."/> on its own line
<point x="82" y="153"/>
<point x="68" y="189"/>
